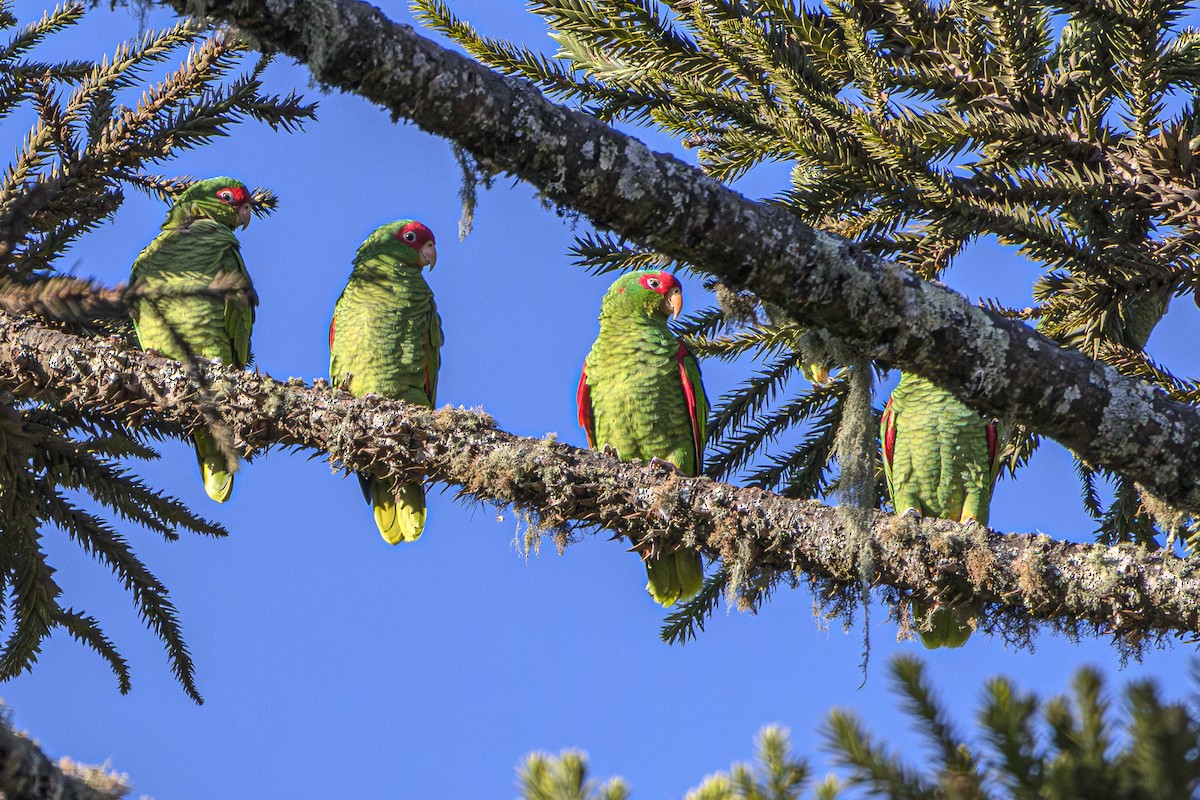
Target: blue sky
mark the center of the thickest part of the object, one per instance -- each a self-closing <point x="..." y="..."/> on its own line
<point x="334" y="665"/>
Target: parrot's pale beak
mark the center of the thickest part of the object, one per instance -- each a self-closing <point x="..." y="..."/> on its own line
<point x="428" y="253"/>
<point x="673" y="303"/>
<point x="244" y="212"/>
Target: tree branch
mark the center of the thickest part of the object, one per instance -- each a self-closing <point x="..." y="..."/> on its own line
<point x="998" y="366"/>
<point x="27" y="774"/>
<point x="63" y="298"/>
<point x="1013" y="580"/>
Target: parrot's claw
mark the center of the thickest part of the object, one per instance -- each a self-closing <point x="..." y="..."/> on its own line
<point x="609" y="451"/>
<point x="910" y="513"/>
<point x="658" y="463"/>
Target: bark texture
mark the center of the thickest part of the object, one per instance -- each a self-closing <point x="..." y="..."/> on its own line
<point x="1013" y="581"/>
<point x="998" y="366"/>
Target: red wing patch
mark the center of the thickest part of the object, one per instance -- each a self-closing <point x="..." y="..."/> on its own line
<point x="583" y="399"/>
<point x="332" y="325"/>
<point x="889" y="434"/>
<point x="993" y="445"/>
<point x="689" y="395"/>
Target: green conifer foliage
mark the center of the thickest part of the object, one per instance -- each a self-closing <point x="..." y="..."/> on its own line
<point x="913" y="127"/>
<point x="779" y="775"/>
<point x="61" y="470"/>
<point x="1024" y="749"/>
<point x="564" y="777"/>
<point x="1080" y="747"/>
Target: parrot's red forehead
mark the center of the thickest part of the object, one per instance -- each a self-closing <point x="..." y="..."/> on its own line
<point x="661" y="282"/>
<point x="233" y="195"/>
<point x="415" y="234"/>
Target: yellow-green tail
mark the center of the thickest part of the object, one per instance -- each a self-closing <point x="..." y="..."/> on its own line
<point x="215" y="469"/>
<point x="400" y="517"/>
<point x="677" y="576"/>
<point x="948" y="627"/>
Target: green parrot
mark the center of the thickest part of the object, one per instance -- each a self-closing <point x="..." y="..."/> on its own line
<point x="640" y="394"/>
<point x="1130" y="323"/>
<point x="1083" y="316"/>
<point x="940" y="459"/>
<point x="193" y="296"/>
<point x="386" y="338"/>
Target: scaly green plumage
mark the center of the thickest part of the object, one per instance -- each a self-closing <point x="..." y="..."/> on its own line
<point x="193" y="296"/>
<point x="641" y="394"/>
<point x="386" y="339"/>
<point x="940" y="460"/>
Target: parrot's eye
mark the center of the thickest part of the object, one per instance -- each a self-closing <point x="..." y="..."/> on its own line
<point x="225" y="195"/>
<point x="410" y="236"/>
<point x="653" y="283"/>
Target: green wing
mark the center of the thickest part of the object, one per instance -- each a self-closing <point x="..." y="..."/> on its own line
<point x="433" y="353"/>
<point x="239" y="306"/>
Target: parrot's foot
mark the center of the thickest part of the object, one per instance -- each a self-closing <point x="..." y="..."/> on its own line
<point x="910" y="513"/>
<point x="658" y="463"/>
<point x="609" y="450"/>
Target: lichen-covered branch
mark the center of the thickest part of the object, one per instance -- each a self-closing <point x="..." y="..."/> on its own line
<point x="998" y="366"/>
<point x="1013" y="580"/>
<point x="27" y="774"/>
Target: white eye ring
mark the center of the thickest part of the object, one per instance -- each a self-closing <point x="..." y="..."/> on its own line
<point x="653" y="283"/>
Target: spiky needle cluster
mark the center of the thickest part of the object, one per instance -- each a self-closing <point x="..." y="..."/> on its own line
<point x="67" y="177"/>
<point x="1063" y="747"/>
<point x="914" y="127"/>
